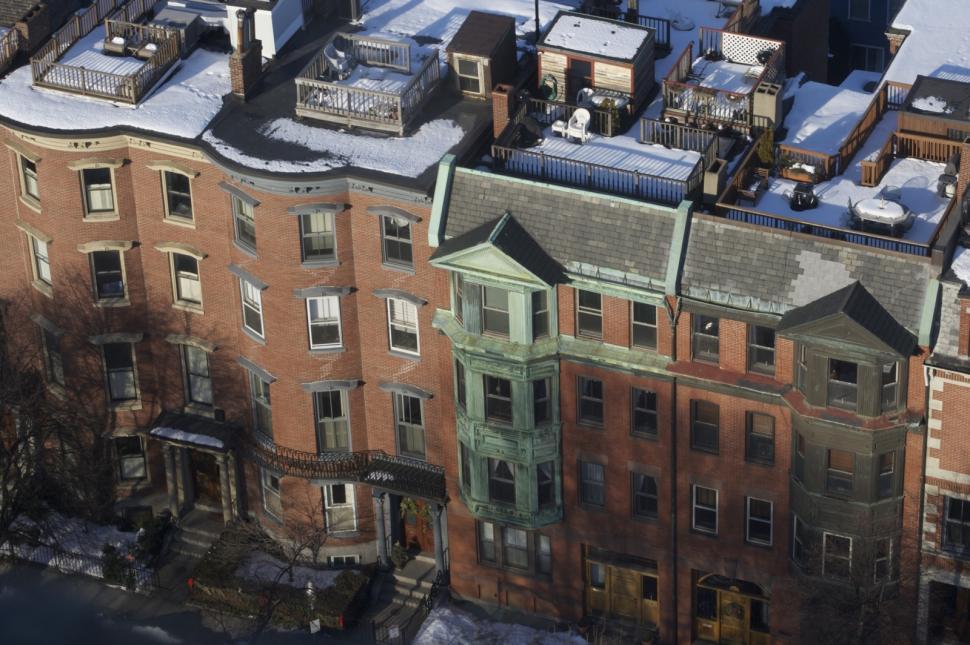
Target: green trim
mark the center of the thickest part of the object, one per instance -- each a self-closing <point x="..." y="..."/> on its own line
<point x="928" y="314"/>
<point x="678" y="247"/>
<point x="442" y="196"/>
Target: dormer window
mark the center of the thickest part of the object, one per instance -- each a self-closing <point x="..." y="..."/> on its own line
<point x="706" y="339"/>
<point x="495" y="311"/>
<point x="540" y="314"/>
<point x="843" y="384"/>
<point x="890" y="382"/>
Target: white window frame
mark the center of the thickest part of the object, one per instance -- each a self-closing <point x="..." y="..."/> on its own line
<point x="694" y="506"/>
<point x="345" y="560"/>
<point x="825" y="536"/>
<point x="242" y="210"/>
<point x="325" y="302"/>
<point x="399" y="222"/>
<point x="330" y="507"/>
<point x="122" y="459"/>
<point x="336" y="422"/>
<point x="403" y="324"/>
<point x="40" y="260"/>
<point x="748" y="519"/>
<point x="187" y="219"/>
<point x="479" y="76"/>
<point x="330" y="228"/>
<point x="254" y="303"/>
<point x="400" y="426"/>
<point x="266" y="486"/>
<point x="189" y="376"/>
<point x="86" y="192"/>
<point x="260" y="398"/>
<point x="177" y="278"/>
<point x="24" y="177"/>
<point x="134" y="375"/>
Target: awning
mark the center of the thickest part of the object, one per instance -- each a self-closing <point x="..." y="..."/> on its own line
<point x="193" y="431"/>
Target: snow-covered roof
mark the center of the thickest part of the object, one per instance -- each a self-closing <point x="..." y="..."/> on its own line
<point x="823" y="115"/>
<point x="596" y="36"/>
<point x="961" y="264"/>
<point x="937" y="44"/>
<point x="183" y="436"/>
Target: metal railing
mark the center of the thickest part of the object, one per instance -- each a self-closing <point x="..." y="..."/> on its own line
<point x="400" y="631"/>
<point x="605" y="122"/>
<point x="141" y="579"/>
<point x="660" y="26"/>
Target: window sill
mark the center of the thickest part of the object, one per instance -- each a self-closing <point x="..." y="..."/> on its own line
<point x="715" y="361"/>
<point x="323" y="351"/>
<point x="643" y="348"/>
<point x="122" y="406"/>
<point x="706" y="451"/>
<point x="245" y="249"/>
<point x="401" y="268"/>
<point x="253" y="336"/>
<point x="592" y="425"/>
<point x="31" y="202"/>
<point x="99" y="217"/>
<point x="759" y="545"/>
<point x="765" y="372"/>
<point x="645" y="519"/>
<point x="758" y="462"/>
<point x="655" y="436"/>
<point x="112" y="302"/>
<point x="189" y="307"/>
<point x="320" y="264"/>
<point x="43" y="287"/>
<point x="702" y="532"/>
<point x="199" y="409"/>
<point x="593" y="337"/>
<point x="592" y="507"/>
<point x="179" y="221"/>
<point x="405" y="355"/>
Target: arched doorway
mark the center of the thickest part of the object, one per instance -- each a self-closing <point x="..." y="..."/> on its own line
<point x="728" y="610"/>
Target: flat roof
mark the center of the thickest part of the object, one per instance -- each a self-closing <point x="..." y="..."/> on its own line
<point x="937" y="41"/>
<point x="596" y="36"/>
<point x="941" y="98"/>
<point x="822" y="116"/>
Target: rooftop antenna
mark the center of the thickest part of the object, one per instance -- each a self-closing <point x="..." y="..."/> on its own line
<point x="537" y="23"/>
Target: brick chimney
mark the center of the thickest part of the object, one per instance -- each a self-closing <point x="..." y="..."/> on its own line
<point x="895" y="38"/>
<point x="503" y="106"/>
<point x="34" y="27"/>
<point x="246" y="60"/>
<point x="963" y="174"/>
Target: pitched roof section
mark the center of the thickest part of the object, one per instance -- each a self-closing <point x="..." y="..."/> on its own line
<point x="857" y="304"/>
<point x="13" y="10"/>
<point x="946" y="351"/>
<point x="589" y="234"/>
<point x="771" y="271"/>
<point x="481" y="33"/>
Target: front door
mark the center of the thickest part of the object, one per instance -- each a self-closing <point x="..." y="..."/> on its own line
<point x="734" y="618"/>
<point x="205" y="477"/>
<point x="416" y="517"/>
<point x="625" y="593"/>
<point x="580" y="75"/>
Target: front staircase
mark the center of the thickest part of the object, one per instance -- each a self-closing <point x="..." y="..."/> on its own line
<point x="196" y="532"/>
<point x="400" y="597"/>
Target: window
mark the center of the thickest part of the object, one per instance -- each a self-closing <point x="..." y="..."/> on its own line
<point x="956" y="525"/>
<point x="498" y="399"/>
<point x="545" y="484"/>
<point x="836" y="555"/>
<point x="705" y="341"/>
<point x="109" y="278"/>
<point x="486" y="542"/>
<point x="870" y="59"/>
<point x="644" y="325"/>
<point x="758" y="514"/>
<point x="801" y="369"/>
<point x="704" y="426"/>
<point x="198" y="380"/>
<point x="705" y="509"/>
<point x="590" y="401"/>
<point x="501" y="481"/>
<point x="188" y="286"/>
<point x="589" y="314"/>
<point x="466" y="466"/>
<point x="42" y="262"/>
<point x="592" y="483"/>
<point x="333" y="425"/>
<point x="890" y="382"/>
<point x="798" y="552"/>
<point x="245" y="223"/>
<point x="760" y="445"/>
<point x="597" y="575"/>
<point x="323" y="320"/>
<point x="469" y="75"/>
<point x="761" y="349"/>
<point x="841" y="472"/>
<point x="317" y="237"/>
<point x="337" y="561"/>
<point x="495" y="311"/>
<point x="262" y="406"/>
<point x="515" y="548"/>
<point x="341" y="511"/>
<point x="644" y="495"/>
<point x="252" y="307"/>
<point x="458" y="284"/>
<point x="882" y="557"/>
<point x="178" y="195"/>
<point x="410" y="427"/>
<point x="843" y="380"/>
<point x="541" y="402"/>
<point x="28" y="178"/>
<point x="271" y="494"/>
<point x="119" y="364"/>
<point x="706" y="600"/>
<point x="540" y="314"/>
<point x="887" y="471"/>
<point x="460" y="388"/>
<point x="543" y="554"/>
<point x="396" y="240"/>
<point x="800" y="457"/>
<point x="53" y="358"/>
<point x="402" y="321"/>
<point x="859" y="10"/>
<point x="644" y="416"/>
<point x="131" y="458"/>
<point x="98" y="194"/>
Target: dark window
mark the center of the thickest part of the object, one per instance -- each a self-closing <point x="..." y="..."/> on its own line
<point x="317" y="236"/>
<point x="53" y="357"/>
<point x="644" y="495"/>
<point x="498" y="399"/>
<point x="262" y="405"/>
<point x="843" y="384"/>
<point x="870" y="59"/>
<point x="198" y="378"/>
<point x="882" y="555"/>
<point x="859" y="10"/>
<point x="410" y="426"/>
<point x="644" y="326"/>
<point x="515" y="548"/>
<point x="841" y="472"/>
<point x="98" y="194"/>
<point x="592" y="478"/>
<point x="333" y="427"/>
<point x="109" y="281"/>
<point x="800" y="457"/>
<point x="466" y="466"/>
<point x="541" y="402"/>
<point x="131" y="458"/>
<point x="648" y="588"/>
<point x="801" y="369"/>
<point x="887" y="474"/>
<point x="706" y="603"/>
<point x="495" y="311"/>
<point x="460" y="389"/>
<point x="501" y="481"/>
<point x="761" y="438"/>
<point x="761" y="349"/>
<point x="178" y="195"/>
<point x="705" y="339"/>
<point x="396" y="240"/>
<point x="590" y="400"/>
<point x="543" y="554"/>
<point x="705" y="509"/>
<point x="759" y="521"/>
<point x="759" y="616"/>
<point x="540" y="314"/>
<point x="798" y="552"/>
<point x="589" y="314"/>
<point x="486" y="541"/>
<point x="119" y="364"/>
<point x="597" y="575"/>
<point x="188" y="286"/>
<point x="545" y="483"/>
<point x="890" y="383"/>
<point x="245" y="223"/>
<point x="956" y="529"/>
<point x="837" y="556"/>
<point x="644" y="416"/>
<point x="704" y="426"/>
<point x="28" y="174"/>
<point x="458" y="283"/>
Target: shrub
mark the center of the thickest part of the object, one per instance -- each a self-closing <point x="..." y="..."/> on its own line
<point x="116" y="567"/>
<point x="399" y="556"/>
<point x="151" y="537"/>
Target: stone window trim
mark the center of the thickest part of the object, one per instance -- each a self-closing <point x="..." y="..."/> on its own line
<point x="183" y="248"/>
<point x="46" y="325"/>
<point x="238" y="193"/>
<point x="320" y="207"/>
<point x="96" y="162"/>
<point x="243" y="274"/>
<point x="643" y="469"/>
<point x="164" y="165"/>
<point x="106" y="245"/>
<point x="406" y="388"/>
<point x="256" y="369"/>
<point x="392" y="211"/>
<point x="330" y="385"/>
<point x="322" y="291"/>
<point x="33" y="231"/>
<point x="194" y="341"/>
<point x="117" y="337"/>
<point x="400" y="295"/>
<point x="22" y="151"/>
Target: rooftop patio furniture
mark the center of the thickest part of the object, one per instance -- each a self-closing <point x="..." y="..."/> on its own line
<point x="578" y="127"/>
<point x="880" y="215"/>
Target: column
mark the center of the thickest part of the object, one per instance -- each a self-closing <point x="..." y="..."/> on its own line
<point x="182" y="475"/>
<point x="439" y="548"/>
<point x="380" y="529"/>
<point x="225" y="491"/>
<point x="171" y="480"/>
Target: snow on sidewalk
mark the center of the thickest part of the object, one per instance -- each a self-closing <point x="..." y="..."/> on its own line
<point x="449" y="625"/>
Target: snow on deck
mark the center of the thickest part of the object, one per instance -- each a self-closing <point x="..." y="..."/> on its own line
<point x="588" y="35"/>
<point x="823" y="116"/>
<point x="937" y="44"/>
<point x="725" y="75"/>
<point x="449" y="625"/>
<point x="405" y="156"/>
<point x="88" y="53"/>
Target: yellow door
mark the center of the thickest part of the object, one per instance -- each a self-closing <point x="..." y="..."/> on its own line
<point x="624" y="593"/>
<point x="733" y="611"/>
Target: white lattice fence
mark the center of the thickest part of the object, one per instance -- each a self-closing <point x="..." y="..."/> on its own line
<point x="744" y="49"/>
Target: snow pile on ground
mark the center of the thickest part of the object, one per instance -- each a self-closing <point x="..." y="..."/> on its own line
<point x="937" y="44"/>
<point x="934" y="104"/>
<point x="264" y="568"/>
<point x="182" y="105"/>
<point x="961" y="264"/>
<point x="448" y="625"/>
<point x="823" y="115"/>
<point x="406" y="156"/>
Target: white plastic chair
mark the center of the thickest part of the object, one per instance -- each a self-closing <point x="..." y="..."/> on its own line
<point x="578" y="127"/>
<point x="337" y="61"/>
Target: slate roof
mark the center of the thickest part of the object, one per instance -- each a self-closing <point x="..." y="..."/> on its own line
<point x="946" y="351"/>
<point x="856" y="303"/>
<point x="13" y="10"/>
<point x="481" y="33"/>
<point x="587" y="233"/>
<point x="770" y="271"/>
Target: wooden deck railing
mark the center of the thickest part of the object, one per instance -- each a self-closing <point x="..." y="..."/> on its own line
<point x="681" y="69"/>
<point x="9" y="46"/>
<point x="743" y="17"/>
<point x="380" y="52"/>
<point x="896" y="94"/>
<point x="924" y="147"/>
<point x="875" y="166"/>
<point x="682" y="137"/>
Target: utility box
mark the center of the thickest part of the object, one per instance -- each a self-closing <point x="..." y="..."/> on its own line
<point x="482" y="54"/>
<point x="767" y="103"/>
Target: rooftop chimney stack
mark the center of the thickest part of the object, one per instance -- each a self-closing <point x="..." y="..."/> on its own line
<point x="246" y="61"/>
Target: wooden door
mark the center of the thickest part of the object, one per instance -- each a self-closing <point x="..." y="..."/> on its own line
<point x="417" y="527"/>
<point x="579" y="75"/>
<point x="205" y="477"/>
<point x="733" y="611"/>
<point x="625" y="594"/>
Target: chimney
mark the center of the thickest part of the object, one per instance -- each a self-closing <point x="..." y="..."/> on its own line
<point x="895" y="38"/>
<point x="246" y="60"/>
<point x="963" y="171"/>
<point x="503" y="105"/>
